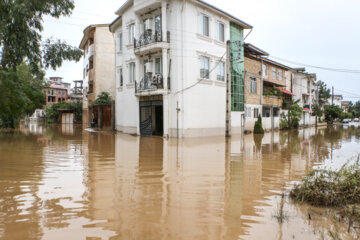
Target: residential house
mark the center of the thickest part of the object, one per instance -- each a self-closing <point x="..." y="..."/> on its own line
<point x="335" y="99"/>
<point x="170" y="68"/>
<point x="345" y="105"/>
<point x="267" y="88"/>
<point x="304" y="88"/>
<point x="98" y="70"/>
<point x="56" y="90"/>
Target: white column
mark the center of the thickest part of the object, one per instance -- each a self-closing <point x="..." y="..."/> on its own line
<point x="166" y="115"/>
<point x="165" y="68"/>
<point x="163" y="20"/>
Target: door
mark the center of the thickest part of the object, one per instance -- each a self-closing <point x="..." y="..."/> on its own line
<point x="145" y="118"/>
<point x="67" y="118"/>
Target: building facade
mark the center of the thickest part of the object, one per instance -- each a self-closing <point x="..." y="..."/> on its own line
<point x="56" y="90"/>
<point x="304" y="88"/>
<point x="98" y="67"/>
<point x="170" y="68"/>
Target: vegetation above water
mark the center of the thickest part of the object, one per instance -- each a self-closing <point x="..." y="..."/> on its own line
<point x="52" y="112"/>
<point x="330" y="188"/>
<point x="258" y="126"/>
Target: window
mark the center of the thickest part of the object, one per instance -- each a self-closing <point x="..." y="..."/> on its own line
<point x="280" y="74"/>
<point x="248" y="112"/>
<point x="204" y="25"/>
<point x="273" y="70"/>
<point x="266" y="112"/>
<point x="276" y="112"/>
<point x="256" y="112"/>
<point x="204" y="67"/>
<point x="220" y="33"/>
<point x="121" y="77"/>
<point x="132" y="72"/>
<point x="131" y="33"/>
<point x="264" y="70"/>
<point x="220" y="71"/>
<point x="253" y="85"/>
<point x="158" y="24"/>
<point x="120" y="42"/>
<point x="158" y="66"/>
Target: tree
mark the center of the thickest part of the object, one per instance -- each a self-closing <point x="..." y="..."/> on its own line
<point x="324" y="93"/>
<point x="24" y="57"/>
<point x="355" y="109"/>
<point x="21" y="94"/>
<point x="103" y="98"/>
<point x="20" y="38"/>
<point x="332" y="112"/>
<point x="52" y="112"/>
<point x="294" y="115"/>
<point x="258" y="126"/>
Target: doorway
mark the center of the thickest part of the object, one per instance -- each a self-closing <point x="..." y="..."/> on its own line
<point x="151" y="116"/>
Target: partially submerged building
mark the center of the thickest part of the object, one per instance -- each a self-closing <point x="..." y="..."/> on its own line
<point x="56" y="90"/>
<point x="170" y="68"/>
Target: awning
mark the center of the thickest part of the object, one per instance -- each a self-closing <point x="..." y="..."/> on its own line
<point x="273" y="83"/>
<point x="306" y="109"/>
<point x="286" y="91"/>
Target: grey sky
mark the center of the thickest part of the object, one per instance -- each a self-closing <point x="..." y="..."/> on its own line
<point x="323" y="33"/>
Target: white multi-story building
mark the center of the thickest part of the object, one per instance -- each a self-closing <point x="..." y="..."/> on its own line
<point x="304" y="88"/>
<point x="170" y="68"/>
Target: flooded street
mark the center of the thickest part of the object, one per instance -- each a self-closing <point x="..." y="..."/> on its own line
<point x="66" y="183"/>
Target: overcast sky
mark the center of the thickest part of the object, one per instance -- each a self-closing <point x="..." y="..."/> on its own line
<point x="324" y="33"/>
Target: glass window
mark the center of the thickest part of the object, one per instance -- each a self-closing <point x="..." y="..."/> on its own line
<point x="120" y="42"/>
<point x="253" y="85"/>
<point x="132" y="72"/>
<point x="204" y="67"/>
<point x="204" y="25"/>
<point x="256" y="112"/>
<point x="158" y="66"/>
<point x="131" y="33"/>
<point x="220" y="69"/>
<point x="248" y="112"/>
<point x="264" y="70"/>
<point x="121" y="77"/>
<point x="220" y="33"/>
<point x="158" y="23"/>
<point x="280" y="74"/>
<point x="273" y="70"/>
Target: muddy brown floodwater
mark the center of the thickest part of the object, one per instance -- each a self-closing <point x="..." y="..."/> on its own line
<point x="66" y="183"/>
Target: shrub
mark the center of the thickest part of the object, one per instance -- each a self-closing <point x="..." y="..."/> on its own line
<point x="52" y="112"/>
<point x="329" y="188"/>
<point x="258" y="126"/>
<point x="284" y="124"/>
<point x="332" y="112"/>
<point x="103" y="98"/>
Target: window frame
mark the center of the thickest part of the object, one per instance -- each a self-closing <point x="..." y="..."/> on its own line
<point x="220" y="71"/>
<point x="273" y="73"/>
<point x="280" y="74"/>
<point x="121" y="83"/>
<point x="253" y="89"/>
<point x="121" y="42"/>
<point x="132" y="70"/>
<point x="204" y="30"/>
<point x="203" y="63"/>
<point x="132" y="30"/>
<point x="218" y="32"/>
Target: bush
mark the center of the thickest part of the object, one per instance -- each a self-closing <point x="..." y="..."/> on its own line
<point x="332" y="112"/>
<point x="258" y="126"/>
<point x="284" y="124"/>
<point x="52" y="112"/>
<point x="329" y="188"/>
<point x="103" y="98"/>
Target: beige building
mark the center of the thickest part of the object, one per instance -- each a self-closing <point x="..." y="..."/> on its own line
<point x="98" y="70"/>
<point x="267" y="88"/>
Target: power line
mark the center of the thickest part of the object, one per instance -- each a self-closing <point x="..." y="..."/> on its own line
<point x="318" y="67"/>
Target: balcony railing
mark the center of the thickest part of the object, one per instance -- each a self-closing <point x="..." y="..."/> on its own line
<point x="149" y="37"/>
<point x="150" y="83"/>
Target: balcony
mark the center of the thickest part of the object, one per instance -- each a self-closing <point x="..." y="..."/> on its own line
<point x="272" y="101"/>
<point x="150" y="85"/>
<point x="150" y="41"/>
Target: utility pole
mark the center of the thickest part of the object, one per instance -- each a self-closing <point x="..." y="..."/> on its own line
<point x="228" y="92"/>
<point x="317" y="105"/>
<point x="332" y="96"/>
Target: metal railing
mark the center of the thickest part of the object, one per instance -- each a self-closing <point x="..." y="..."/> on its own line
<point x="150" y="83"/>
<point x="149" y="37"/>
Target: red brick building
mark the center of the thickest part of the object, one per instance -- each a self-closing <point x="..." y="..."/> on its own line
<point x="57" y="90"/>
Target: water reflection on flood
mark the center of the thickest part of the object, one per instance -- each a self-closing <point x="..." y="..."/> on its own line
<point x="64" y="183"/>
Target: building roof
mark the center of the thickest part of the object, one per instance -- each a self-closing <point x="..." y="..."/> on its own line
<point x="232" y="18"/>
<point x="276" y="63"/>
<point x="128" y="3"/>
<point x="254" y="50"/>
<point x="87" y="31"/>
